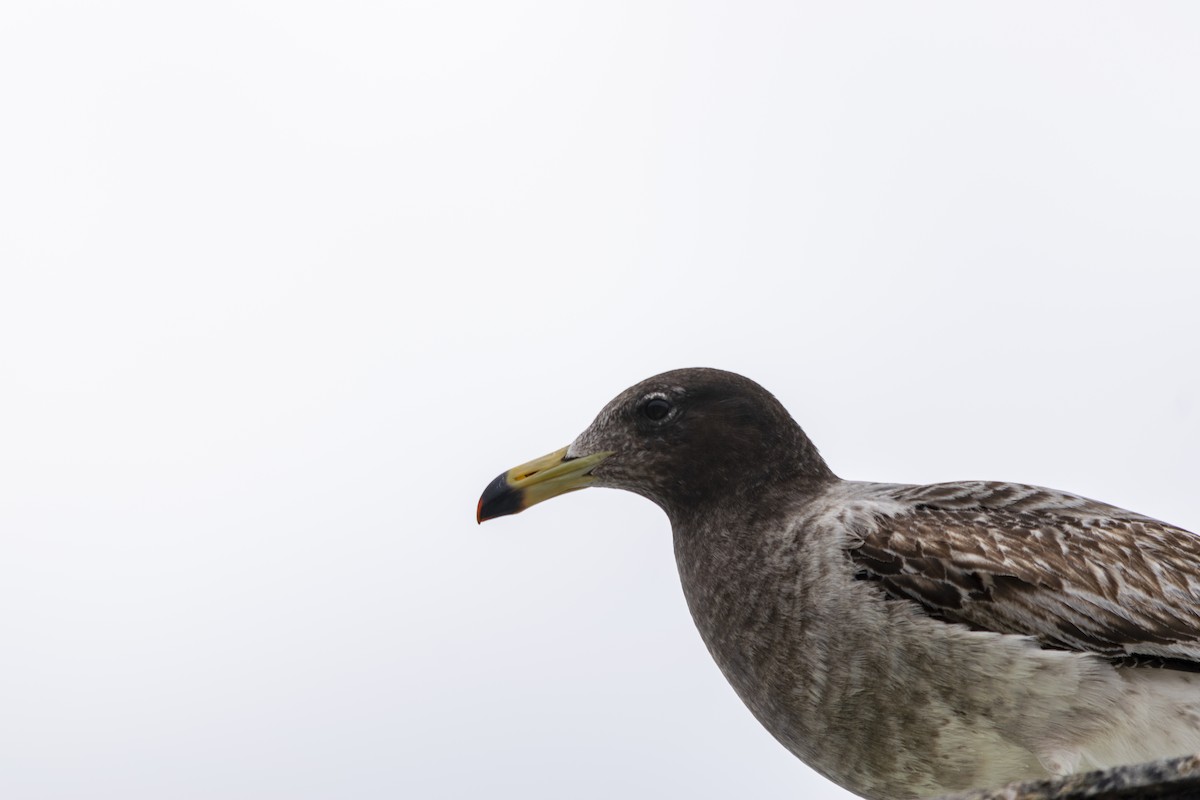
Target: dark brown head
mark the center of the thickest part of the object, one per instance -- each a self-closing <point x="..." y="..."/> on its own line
<point x="689" y="439"/>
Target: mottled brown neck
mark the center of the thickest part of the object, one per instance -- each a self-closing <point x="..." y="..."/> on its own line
<point x="741" y="475"/>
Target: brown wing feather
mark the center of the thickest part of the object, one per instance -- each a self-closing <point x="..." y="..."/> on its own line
<point x="1072" y="572"/>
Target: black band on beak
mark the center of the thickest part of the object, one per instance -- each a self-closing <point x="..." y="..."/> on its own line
<point x="499" y="499"/>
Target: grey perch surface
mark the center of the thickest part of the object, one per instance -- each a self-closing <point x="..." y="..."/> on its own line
<point x="904" y="641"/>
<point x="1169" y="779"/>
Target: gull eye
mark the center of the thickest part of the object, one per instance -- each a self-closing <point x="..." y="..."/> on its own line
<point x="656" y="408"/>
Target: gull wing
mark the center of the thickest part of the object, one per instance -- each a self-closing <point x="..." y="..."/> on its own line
<point x="1074" y="573"/>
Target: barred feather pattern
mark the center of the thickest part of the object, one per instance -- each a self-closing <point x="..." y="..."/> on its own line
<point x="1074" y="573"/>
<point x="879" y="688"/>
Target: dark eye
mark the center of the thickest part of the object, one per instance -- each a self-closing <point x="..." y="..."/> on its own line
<point x="656" y="408"/>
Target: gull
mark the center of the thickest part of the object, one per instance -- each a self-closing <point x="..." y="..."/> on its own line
<point x="904" y="641"/>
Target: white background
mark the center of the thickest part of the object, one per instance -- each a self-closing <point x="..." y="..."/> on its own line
<point x="284" y="285"/>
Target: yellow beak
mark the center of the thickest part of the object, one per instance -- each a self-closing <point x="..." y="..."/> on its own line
<point x="538" y="480"/>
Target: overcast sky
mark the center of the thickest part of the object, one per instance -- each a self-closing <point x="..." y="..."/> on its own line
<point x="284" y="285"/>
